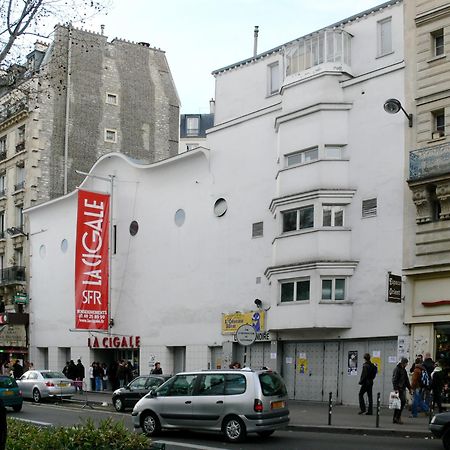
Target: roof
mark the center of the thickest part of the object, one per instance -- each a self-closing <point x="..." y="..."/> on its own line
<point x="334" y="25"/>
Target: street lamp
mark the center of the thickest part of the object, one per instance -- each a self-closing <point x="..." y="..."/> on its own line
<point x="13" y="231"/>
<point x="393" y="106"/>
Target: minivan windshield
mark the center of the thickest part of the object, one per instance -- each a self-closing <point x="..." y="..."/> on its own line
<point x="272" y="384"/>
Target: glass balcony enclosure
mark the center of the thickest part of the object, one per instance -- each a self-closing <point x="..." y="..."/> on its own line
<point x="324" y="47"/>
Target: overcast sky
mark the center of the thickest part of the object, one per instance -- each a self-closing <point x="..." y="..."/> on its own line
<point x="200" y="36"/>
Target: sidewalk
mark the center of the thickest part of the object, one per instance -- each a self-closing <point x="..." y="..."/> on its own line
<point x="312" y="416"/>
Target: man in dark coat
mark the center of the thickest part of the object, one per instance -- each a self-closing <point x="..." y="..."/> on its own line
<point x="369" y="372"/>
<point x="71" y="370"/>
<point x="400" y="382"/>
<point x="80" y="372"/>
<point x="17" y="370"/>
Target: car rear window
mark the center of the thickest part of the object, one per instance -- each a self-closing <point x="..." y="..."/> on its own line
<point x="272" y="384"/>
<point x="53" y="375"/>
<point x="7" y="382"/>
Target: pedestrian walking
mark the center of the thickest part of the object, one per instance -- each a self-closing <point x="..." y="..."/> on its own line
<point x="121" y="373"/>
<point x="368" y="374"/>
<point x="98" y="375"/>
<point x="437" y="385"/>
<point x="80" y="375"/>
<point x="157" y="369"/>
<point x="71" y="371"/>
<point x="91" y="376"/>
<point x="105" y="376"/>
<point x="17" y="369"/>
<point x="400" y="382"/>
<point x="417" y="385"/>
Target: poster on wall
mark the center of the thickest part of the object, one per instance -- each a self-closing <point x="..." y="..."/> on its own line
<point x="352" y="363"/>
<point x="403" y="344"/>
<point x="302" y="364"/>
<point x="376" y="359"/>
<point x="91" y="261"/>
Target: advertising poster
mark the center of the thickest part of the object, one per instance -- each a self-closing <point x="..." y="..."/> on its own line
<point x="302" y="364"/>
<point x="377" y="361"/>
<point x="91" y="261"/>
<point x="231" y="322"/>
<point x="352" y="369"/>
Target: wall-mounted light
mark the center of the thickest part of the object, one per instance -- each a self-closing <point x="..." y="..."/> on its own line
<point x="393" y="106"/>
<point x="13" y="231"/>
<point x="258" y="303"/>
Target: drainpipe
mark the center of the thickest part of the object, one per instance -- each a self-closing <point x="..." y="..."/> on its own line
<point x="66" y="132"/>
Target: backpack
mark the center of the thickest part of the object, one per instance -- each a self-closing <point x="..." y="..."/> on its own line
<point x="425" y="379"/>
<point x="373" y="371"/>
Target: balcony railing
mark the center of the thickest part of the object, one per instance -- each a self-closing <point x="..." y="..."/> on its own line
<point x="20" y="146"/>
<point x="325" y="47"/>
<point x="12" y="275"/>
<point x="11" y="109"/>
<point x="429" y="162"/>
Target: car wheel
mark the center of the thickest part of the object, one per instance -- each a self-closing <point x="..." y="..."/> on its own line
<point x="150" y="424"/>
<point x="446" y="439"/>
<point x="118" y="404"/>
<point x="265" y="433"/>
<point x="36" y="395"/>
<point x="17" y="408"/>
<point x="234" y="429"/>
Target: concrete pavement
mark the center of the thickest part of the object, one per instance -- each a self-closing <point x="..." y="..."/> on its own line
<point x="313" y="416"/>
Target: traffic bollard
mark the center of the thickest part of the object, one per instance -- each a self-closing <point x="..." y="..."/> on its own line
<point x="330" y="407"/>
<point x="378" y="410"/>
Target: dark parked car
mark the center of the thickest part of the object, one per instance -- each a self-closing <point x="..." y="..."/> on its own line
<point x="10" y="393"/>
<point x="130" y="394"/>
<point x="440" y="427"/>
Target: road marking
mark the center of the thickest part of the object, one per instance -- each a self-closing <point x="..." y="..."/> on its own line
<point x="185" y="444"/>
<point x="35" y="422"/>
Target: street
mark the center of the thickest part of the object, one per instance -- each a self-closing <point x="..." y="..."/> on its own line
<point x="46" y="414"/>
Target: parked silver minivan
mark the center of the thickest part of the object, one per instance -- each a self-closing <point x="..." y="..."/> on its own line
<point x="234" y="402"/>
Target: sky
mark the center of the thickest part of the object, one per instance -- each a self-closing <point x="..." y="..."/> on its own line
<point x="200" y="36"/>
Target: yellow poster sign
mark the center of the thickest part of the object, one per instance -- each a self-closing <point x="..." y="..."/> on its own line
<point x="377" y="361"/>
<point x="231" y="322"/>
<point x="302" y="365"/>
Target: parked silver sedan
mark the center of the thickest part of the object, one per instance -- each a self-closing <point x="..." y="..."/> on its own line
<point x="39" y="384"/>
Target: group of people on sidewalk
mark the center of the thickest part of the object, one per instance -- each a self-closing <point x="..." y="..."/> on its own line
<point x="75" y="372"/>
<point x="425" y="387"/>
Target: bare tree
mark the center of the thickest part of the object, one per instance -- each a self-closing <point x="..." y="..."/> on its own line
<point x="20" y="19"/>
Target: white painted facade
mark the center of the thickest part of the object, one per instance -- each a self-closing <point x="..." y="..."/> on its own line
<point x="171" y="284"/>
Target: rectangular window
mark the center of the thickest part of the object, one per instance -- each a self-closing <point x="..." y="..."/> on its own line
<point x="19" y="217"/>
<point x="438" y="42"/>
<point x="192" y="126"/>
<point x="332" y="216"/>
<point x="298" y="219"/>
<point x="332" y="152"/>
<point x="3" y="144"/>
<point x="2" y="224"/>
<point x="438" y="124"/>
<point x="18" y="256"/>
<point x="333" y="289"/>
<point x="111" y="99"/>
<point x="274" y="78"/>
<point x="295" y="291"/>
<point x="2" y="185"/>
<point x="110" y="136"/>
<point x="369" y="207"/>
<point x="21" y="134"/>
<point x="302" y="157"/>
<point x="384" y="36"/>
<point x="20" y="178"/>
<point x="257" y="229"/>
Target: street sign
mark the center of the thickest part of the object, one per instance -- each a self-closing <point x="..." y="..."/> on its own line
<point x="21" y="299"/>
<point x="245" y="335"/>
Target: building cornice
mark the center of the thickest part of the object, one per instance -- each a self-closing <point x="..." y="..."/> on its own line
<point x="433" y="14"/>
<point x="13" y="120"/>
<point x="340" y="194"/>
<point x="310" y="265"/>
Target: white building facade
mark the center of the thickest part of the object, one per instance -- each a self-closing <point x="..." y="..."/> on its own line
<point x="297" y="202"/>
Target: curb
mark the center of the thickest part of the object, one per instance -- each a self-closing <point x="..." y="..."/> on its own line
<point x="360" y="431"/>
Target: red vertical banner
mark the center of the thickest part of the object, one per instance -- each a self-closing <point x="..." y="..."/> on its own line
<point x="91" y="261"/>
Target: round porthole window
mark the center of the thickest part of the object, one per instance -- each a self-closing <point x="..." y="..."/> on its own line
<point x="220" y="207"/>
<point x="134" y="228"/>
<point x="42" y="251"/>
<point x="180" y="217"/>
<point x="64" y="245"/>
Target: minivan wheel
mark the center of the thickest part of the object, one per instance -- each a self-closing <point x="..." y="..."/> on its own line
<point x="150" y="424"/>
<point x="36" y="395"/>
<point x="234" y="429"/>
<point x="118" y="404"/>
<point x="265" y="433"/>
